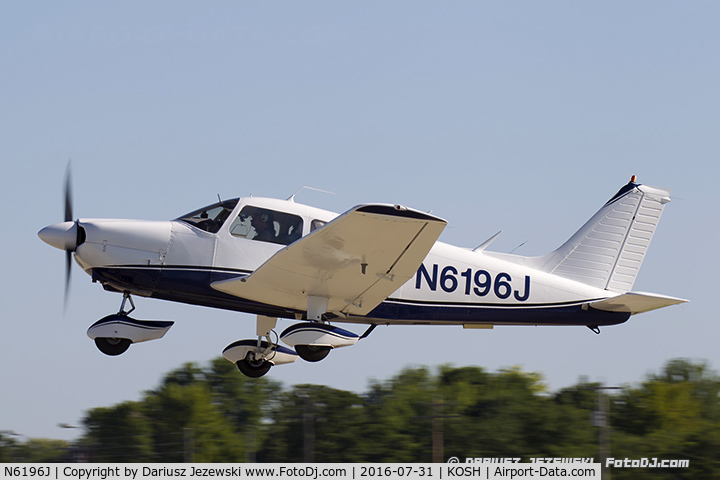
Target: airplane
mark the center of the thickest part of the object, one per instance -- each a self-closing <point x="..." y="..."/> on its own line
<point x="375" y="264"/>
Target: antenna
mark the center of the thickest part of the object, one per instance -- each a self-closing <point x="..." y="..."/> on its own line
<point x="523" y="243"/>
<point x="292" y="197"/>
<point x="487" y="242"/>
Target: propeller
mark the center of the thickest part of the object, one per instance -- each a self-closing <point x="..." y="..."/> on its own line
<point x="68" y="218"/>
<point x="67" y="235"/>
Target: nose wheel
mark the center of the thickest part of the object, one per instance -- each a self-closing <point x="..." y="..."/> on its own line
<point x="112" y="346"/>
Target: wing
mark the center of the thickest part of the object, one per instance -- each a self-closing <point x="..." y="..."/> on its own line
<point x="353" y="262"/>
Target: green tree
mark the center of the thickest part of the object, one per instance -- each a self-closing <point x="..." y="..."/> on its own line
<point x="42" y="450"/>
<point x="32" y="450"/>
<point x="246" y="403"/>
<point x="505" y="414"/>
<point x="216" y="414"/>
<point x="315" y="423"/>
<point x="576" y="407"/>
<point x="7" y="447"/>
<point x="119" y="434"/>
<point x="672" y="415"/>
<point x="399" y="426"/>
<point x="187" y="424"/>
<point x="192" y="415"/>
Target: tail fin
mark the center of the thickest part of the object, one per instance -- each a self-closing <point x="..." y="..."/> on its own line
<point x="608" y="250"/>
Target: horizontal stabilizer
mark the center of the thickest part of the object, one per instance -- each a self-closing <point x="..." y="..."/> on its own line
<point x="636" y="302"/>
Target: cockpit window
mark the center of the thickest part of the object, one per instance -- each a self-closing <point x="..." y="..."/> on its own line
<point x="255" y="223"/>
<point x="212" y="217"/>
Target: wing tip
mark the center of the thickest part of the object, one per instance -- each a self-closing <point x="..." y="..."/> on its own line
<point x="397" y="211"/>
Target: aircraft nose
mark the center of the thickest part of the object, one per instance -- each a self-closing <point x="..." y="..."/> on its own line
<point x="60" y="235"/>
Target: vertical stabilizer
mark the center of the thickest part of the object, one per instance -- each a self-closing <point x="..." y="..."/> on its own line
<point x="608" y="250"/>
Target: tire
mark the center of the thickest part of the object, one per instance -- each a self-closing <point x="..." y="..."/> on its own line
<point x="112" y="346"/>
<point x="312" y="353"/>
<point x="253" y="368"/>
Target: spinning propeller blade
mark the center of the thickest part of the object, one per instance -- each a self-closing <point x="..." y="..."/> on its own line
<point x="68" y="195"/>
<point x="68" y="218"/>
<point x="68" y="270"/>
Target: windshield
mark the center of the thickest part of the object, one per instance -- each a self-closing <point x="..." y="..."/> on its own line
<point x="212" y="217"/>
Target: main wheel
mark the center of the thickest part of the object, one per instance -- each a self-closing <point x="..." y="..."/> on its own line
<point x="253" y="368"/>
<point x="112" y="346"/>
<point x="312" y="353"/>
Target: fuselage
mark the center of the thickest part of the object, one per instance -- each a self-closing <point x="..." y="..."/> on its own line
<point x="178" y="261"/>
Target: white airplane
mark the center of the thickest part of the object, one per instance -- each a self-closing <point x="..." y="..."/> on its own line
<point x="375" y="264"/>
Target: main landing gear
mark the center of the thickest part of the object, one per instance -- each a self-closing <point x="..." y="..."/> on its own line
<point x="312" y="341"/>
<point x="114" y="334"/>
<point x="255" y="357"/>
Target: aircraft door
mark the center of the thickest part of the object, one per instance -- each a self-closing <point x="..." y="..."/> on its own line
<point x="255" y="235"/>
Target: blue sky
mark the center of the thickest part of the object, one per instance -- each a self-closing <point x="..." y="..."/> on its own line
<point x="516" y="116"/>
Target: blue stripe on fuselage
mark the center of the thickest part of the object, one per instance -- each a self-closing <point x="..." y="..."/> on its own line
<point x="191" y="285"/>
<point x="570" y="314"/>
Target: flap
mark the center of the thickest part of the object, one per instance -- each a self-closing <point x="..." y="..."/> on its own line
<point x="355" y="261"/>
<point x="636" y="302"/>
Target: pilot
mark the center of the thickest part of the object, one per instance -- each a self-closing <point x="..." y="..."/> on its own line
<point x="264" y="225"/>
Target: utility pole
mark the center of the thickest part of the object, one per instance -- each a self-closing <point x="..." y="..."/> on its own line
<point x="189" y="445"/>
<point x="438" y="426"/>
<point x="601" y="419"/>
<point x="309" y="431"/>
<point x="80" y="452"/>
<point x="250" y="443"/>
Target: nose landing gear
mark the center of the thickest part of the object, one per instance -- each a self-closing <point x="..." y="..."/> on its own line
<point x="114" y="334"/>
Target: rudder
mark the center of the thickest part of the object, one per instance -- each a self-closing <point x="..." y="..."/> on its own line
<point x="608" y="250"/>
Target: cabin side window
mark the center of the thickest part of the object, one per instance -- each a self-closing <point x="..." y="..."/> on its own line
<point x="265" y="225"/>
<point x="315" y="224"/>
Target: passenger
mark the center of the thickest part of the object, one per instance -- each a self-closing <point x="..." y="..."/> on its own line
<point x="264" y="225"/>
<point x="294" y="231"/>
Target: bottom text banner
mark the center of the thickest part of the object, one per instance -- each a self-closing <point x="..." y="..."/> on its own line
<point x="300" y="471"/>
